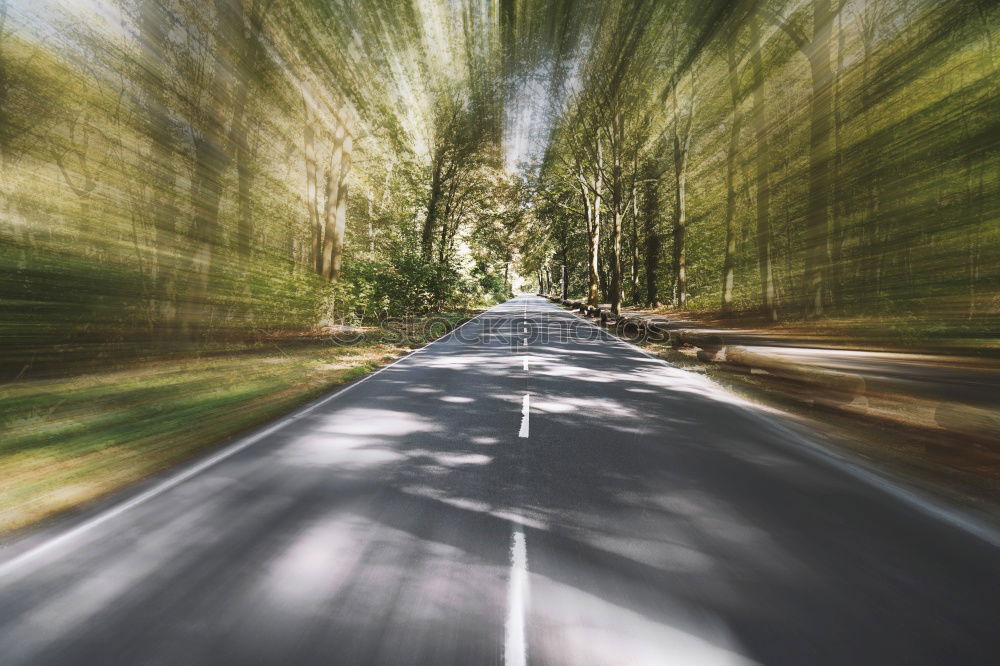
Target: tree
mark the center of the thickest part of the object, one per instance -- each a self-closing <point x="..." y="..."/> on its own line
<point x="681" y="142"/>
<point x="312" y="181"/>
<point x="732" y="151"/>
<point x="813" y="38"/>
<point x="335" y="208"/>
<point x="762" y="164"/>
<point x="651" y="229"/>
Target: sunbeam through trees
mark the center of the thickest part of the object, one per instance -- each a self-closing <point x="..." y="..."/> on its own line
<point x="177" y="171"/>
<point x="405" y="332"/>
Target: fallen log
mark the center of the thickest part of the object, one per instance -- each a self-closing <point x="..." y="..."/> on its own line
<point x="829" y="385"/>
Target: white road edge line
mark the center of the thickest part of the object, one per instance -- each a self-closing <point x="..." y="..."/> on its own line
<point x="525" y="415"/>
<point x="180" y="477"/>
<point x="515" y="648"/>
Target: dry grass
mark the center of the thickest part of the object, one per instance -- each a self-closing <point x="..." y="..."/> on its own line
<point x="65" y="442"/>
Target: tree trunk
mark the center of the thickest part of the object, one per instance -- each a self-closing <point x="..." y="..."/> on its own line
<point x="243" y="42"/>
<point x="634" y="275"/>
<point x="312" y="187"/>
<point x="680" y="238"/>
<point x="593" y="296"/>
<point x="616" y="262"/>
<point x="652" y="234"/>
<point x="371" y="225"/>
<point x="764" y="242"/>
<point x="443" y="240"/>
<point x="820" y="117"/>
<point x="603" y="282"/>
<point x="206" y="194"/>
<point x="210" y="161"/>
<point x="615" y="288"/>
<point x="682" y="144"/>
<point x="244" y="187"/>
<point x="592" y="212"/>
<point x="332" y="191"/>
<point x="729" y="260"/>
<point x="341" y="227"/>
<point x="164" y="177"/>
<point x="449" y="212"/>
<point x="838" y="207"/>
<point x="427" y="236"/>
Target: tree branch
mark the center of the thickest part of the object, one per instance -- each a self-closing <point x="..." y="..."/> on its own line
<point x="794" y="32"/>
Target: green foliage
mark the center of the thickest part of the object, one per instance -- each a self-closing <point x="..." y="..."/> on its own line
<point x="66" y="441"/>
<point x="406" y="284"/>
<point x="491" y="284"/>
<point x="175" y="179"/>
<point x="172" y="179"/>
<point x="856" y="142"/>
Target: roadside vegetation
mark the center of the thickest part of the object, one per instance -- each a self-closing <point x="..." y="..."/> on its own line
<point x="70" y="440"/>
<point x="179" y="175"/>
<point x="802" y="161"/>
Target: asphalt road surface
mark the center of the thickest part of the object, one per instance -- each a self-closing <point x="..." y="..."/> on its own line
<point x="502" y="497"/>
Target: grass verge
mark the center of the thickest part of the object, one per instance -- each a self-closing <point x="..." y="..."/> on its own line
<point x="68" y="441"/>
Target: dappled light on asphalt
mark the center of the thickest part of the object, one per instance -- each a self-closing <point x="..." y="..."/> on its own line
<point x="664" y="524"/>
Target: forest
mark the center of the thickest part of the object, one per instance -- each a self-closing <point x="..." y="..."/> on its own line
<point x="179" y="172"/>
<point x="626" y="332"/>
<point x="796" y="160"/>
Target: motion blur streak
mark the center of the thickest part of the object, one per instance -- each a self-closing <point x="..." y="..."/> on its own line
<point x="214" y="211"/>
<point x="174" y="170"/>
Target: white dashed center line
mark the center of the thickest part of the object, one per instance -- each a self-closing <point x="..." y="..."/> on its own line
<point x="515" y="646"/>
<point x="515" y="651"/>
<point x="525" y="409"/>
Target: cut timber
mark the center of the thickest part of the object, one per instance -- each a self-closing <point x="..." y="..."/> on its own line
<point x="829" y="386"/>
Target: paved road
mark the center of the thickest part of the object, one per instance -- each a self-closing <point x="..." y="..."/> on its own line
<point x="624" y="513"/>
